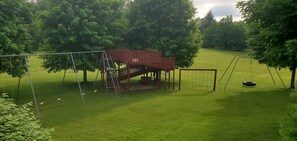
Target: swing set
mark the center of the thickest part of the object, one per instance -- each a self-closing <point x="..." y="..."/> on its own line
<point x="10" y="63"/>
<point x="250" y="82"/>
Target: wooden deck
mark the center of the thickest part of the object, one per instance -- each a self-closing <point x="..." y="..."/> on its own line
<point x="142" y="57"/>
<point x="141" y="62"/>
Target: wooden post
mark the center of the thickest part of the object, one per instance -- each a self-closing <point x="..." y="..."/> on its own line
<point x="159" y="78"/>
<point x="169" y="79"/>
<point x="128" y="75"/>
<point x="179" y="80"/>
<point x="173" y="80"/>
<point x="119" y="68"/>
<point x="165" y="80"/>
<point x="215" y="81"/>
<point x="102" y="77"/>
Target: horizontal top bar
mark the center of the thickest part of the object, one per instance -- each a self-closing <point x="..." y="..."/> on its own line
<point x="44" y="54"/>
<point x="198" y="69"/>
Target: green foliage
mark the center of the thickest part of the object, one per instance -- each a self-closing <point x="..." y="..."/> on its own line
<point x="81" y="25"/>
<point x="225" y="34"/>
<point x="288" y="126"/>
<point x="15" y="18"/>
<point x="207" y="21"/>
<point x="291" y="52"/>
<point x="267" y="34"/>
<point x="19" y="123"/>
<point x="164" y="25"/>
<point x="35" y="27"/>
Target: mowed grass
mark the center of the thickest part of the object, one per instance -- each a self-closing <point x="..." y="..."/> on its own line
<point x="194" y="113"/>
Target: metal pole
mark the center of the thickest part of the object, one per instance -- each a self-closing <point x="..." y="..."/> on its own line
<point x="227" y="68"/>
<point x="44" y="54"/>
<point x="32" y="88"/>
<point x="74" y="69"/>
<point x="231" y="74"/>
<point x="280" y="78"/>
<point x="271" y="75"/>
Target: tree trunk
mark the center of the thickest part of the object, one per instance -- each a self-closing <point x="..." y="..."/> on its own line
<point x="85" y="76"/>
<point x="293" y="78"/>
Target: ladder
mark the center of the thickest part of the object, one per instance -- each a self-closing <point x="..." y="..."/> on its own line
<point x="111" y="75"/>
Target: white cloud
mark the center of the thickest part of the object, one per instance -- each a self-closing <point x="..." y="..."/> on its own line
<point x="219" y="8"/>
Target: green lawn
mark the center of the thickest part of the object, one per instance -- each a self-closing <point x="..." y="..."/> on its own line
<point x="195" y="113"/>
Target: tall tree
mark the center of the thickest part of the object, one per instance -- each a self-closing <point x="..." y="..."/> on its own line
<point x="15" y="18"/>
<point x="271" y="36"/>
<point x="35" y="27"/>
<point x="225" y="34"/>
<point x="82" y="25"/>
<point x="164" y="25"/>
<point x="207" y="21"/>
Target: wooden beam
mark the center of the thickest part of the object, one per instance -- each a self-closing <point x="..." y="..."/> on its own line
<point x="173" y="80"/>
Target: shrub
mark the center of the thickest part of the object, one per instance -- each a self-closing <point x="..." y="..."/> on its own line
<point x="288" y="126"/>
<point x="19" y="123"/>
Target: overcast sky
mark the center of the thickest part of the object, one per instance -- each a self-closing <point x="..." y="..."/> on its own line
<point x="219" y="8"/>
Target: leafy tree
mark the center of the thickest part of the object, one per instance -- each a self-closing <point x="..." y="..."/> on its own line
<point x="35" y="27"/>
<point x="269" y="36"/>
<point x="18" y="123"/>
<point x="207" y="21"/>
<point x="225" y="34"/>
<point x="15" y="17"/>
<point x="82" y="25"/>
<point x="231" y="35"/>
<point x="210" y="36"/>
<point x="164" y="25"/>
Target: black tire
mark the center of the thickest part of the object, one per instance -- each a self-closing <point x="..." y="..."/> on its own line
<point x="249" y="83"/>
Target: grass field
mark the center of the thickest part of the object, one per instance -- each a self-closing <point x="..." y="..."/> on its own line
<point x="237" y="113"/>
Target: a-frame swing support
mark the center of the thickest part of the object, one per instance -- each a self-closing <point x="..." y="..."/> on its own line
<point x="104" y="61"/>
<point x="77" y="79"/>
<point x="32" y="87"/>
<point x="236" y="59"/>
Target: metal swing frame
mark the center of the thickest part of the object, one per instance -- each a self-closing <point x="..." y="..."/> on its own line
<point x="235" y="60"/>
<point x="102" y="62"/>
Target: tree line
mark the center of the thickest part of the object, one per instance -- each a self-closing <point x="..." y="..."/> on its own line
<point x="225" y="34"/>
<point x="168" y="26"/>
<point x="92" y="25"/>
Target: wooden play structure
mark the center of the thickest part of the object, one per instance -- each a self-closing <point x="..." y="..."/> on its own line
<point x="149" y="65"/>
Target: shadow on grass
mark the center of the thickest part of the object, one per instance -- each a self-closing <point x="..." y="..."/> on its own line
<point x="252" y="115"/>
<point x="70" y="109"/>
<point x="193" y="92"/>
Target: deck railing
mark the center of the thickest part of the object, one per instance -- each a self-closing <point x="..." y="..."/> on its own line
<point x="139" y="57"/>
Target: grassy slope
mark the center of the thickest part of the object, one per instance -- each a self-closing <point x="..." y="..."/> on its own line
<point x="192" y="114"/>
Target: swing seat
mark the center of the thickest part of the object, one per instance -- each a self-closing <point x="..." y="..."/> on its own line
<point x="249" y="83"/>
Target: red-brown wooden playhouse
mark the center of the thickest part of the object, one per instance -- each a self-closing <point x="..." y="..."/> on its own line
<point x="147" y="63"/>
